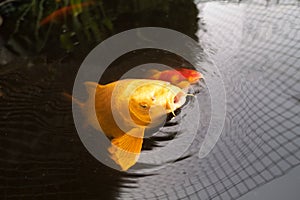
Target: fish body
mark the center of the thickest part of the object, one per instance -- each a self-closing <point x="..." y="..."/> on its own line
<point x="63" y="12"/>
<point x="181" y="77"/>
<point x="125" y="108"/>
<point x="192" y="76"/>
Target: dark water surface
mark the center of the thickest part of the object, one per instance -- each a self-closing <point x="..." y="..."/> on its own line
<point x="255" y="45"/>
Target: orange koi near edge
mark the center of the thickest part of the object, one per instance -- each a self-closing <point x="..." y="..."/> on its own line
<point x="181" y="77"/>
<point x="63" y="11"/>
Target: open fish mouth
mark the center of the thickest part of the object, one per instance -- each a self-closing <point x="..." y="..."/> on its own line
<point x="177" y="101"/>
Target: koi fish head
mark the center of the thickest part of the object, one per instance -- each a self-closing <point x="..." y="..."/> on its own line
<point x="152" y="100"/>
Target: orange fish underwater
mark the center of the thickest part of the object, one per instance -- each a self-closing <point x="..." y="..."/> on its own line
<point x="125" y="108"/>
<point x="181" y="77"/>
<point x="64" y="11"/>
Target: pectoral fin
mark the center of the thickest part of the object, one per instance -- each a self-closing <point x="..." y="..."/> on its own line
<point x="125" y="150"/>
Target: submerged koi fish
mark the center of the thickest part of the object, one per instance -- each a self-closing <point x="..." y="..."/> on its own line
<point x="63" y="11"/>
<point x="180" y="77"/>
<point x="125" y="108"/>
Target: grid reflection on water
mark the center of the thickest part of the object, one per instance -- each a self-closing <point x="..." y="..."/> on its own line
<point x="261" y="139"/>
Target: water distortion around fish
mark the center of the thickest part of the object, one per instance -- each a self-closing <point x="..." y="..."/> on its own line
<point x="143" y="98"/>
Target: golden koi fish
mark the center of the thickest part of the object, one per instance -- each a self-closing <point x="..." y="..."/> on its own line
<point x="125" y="108"/>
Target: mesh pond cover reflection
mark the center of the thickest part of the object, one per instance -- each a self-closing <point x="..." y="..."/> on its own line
<point x="257" y="49"/>
<point x="261" y="140"/>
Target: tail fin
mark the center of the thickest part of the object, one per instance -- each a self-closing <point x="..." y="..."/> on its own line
<point x="71" y="98"/>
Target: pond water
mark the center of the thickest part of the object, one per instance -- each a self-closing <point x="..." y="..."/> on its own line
<point x="254" y="44"/>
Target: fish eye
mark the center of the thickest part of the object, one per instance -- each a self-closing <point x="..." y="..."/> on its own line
<point x="143" y="105"/>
